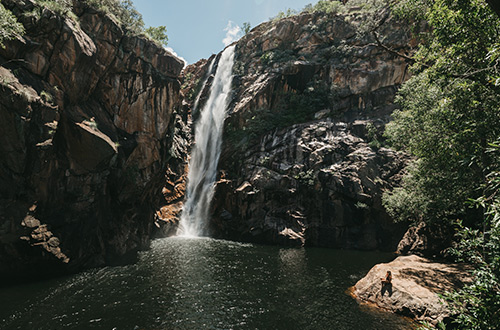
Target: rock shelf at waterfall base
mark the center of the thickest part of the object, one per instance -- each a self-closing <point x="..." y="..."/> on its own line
<point x="416" y="285"/>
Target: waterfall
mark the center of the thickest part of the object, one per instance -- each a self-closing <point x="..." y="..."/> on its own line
<point x="206" y="151"/>
<point x="209" y="72"/>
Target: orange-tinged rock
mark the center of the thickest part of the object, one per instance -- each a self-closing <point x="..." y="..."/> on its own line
<point x="416" y="285"/>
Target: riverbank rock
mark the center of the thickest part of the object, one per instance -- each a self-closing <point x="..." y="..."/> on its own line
<point x="88" y="115"/>
<point x="303" y="160"/>
<point x="426" y="240"/>
<point x="416" y="284"/>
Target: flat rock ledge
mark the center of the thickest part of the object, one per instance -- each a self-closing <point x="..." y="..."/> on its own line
<point x="416" y="285"/>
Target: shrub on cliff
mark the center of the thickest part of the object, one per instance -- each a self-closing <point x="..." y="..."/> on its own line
<point x="123" y="11"/>
<point x="158" y="34"/>
<point x="9" y="26"/>
<point x="62" y="7"/>
<point x="325" y="6"/>
<point x="126" y="14"/>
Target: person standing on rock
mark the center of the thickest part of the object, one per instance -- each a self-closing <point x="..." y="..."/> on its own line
<point x="388" y="278"/>
<point x="386" y="284"/>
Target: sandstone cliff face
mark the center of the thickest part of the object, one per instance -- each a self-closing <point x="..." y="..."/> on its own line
<point x="303" y="161"/>
<point x="88" y="115"/>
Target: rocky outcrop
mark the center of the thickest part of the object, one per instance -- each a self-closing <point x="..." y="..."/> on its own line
<point x="416" y="285"/>
<point x="303" y="160"/>
<point x="88" y="114"/>
<point x="427" y="240"/>
<point x="313" y="183"/>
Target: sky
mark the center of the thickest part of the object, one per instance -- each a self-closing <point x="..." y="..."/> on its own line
<point x="197" y="29"/>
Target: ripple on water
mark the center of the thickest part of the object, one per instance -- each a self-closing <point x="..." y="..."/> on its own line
<point x="202" y="283"/>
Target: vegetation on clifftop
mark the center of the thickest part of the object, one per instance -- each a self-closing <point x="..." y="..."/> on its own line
<point x="9" y="26"/>
<point x="450" y="119"/>
<point x="122" y="11"/>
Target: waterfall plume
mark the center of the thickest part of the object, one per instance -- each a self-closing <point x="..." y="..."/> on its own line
<point x="206" y="151"/>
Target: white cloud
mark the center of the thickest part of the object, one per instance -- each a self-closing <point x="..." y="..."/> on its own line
<point x="171" y="50"/>
<point x="233" y="33"/>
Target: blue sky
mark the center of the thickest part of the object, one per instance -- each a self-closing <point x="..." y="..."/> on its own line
<point x="196" y="28"/>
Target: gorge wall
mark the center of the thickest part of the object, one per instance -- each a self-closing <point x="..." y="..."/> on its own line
<point x="303" y="160"/>
<point x="96" y="132"/>
<point x="91" y="121"/>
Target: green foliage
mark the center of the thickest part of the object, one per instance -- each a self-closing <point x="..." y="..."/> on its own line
<point x="408" y="203"/>
<point x="284" y="14"/>
<point x="277" y="56"/>
<point x="158" y="34"/>
<point x="239" y="67"/>
<point x="123" y="11"/>
<point x="35" y="14"/>
<point x="477" y="305"/>
<point x="9" y="26"/>
<point x="449" y="116"/>
<point x="411" y="10"/>
<point x="361" y="206"/>
<point x="325" y="6"/>
<point x="428" y="326"/>
<point x="246" y="27"/>
<point x="46" y="96"/>
<point x="449" y="110"/>
<point x="193" y="92"/>
<point x="375" y="140"/>
<point x="306" y="178"/>
<point x="61" y="7"/>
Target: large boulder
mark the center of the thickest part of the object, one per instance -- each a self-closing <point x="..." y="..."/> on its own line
<point x="416" y="285"/>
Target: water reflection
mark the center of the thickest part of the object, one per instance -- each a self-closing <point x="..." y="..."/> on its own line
<point x="202" y="283"/>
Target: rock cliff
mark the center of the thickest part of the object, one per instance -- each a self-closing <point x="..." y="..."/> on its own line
<point x="303" y="160"/>
<point x="88" y="115"/>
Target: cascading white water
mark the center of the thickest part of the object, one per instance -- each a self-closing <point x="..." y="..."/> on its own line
<point x="209" y="72"/>
<point x="206" y="151"/>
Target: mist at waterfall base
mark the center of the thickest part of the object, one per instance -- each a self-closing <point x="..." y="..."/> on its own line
<point x="202" y="283"/>
<point x="206" y="151"/>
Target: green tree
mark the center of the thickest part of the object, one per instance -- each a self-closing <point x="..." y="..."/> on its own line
<point x="158" y="34"/>
<point x="246" y="27"/>
<point x="449" y="116"/>
<point x="123" y="11"/>
<point x="477" y="305"/>
<point x="9" y="26"/>
<point x="449" y="112"/>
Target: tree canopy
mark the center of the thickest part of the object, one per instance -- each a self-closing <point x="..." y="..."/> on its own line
<point x="449" y="120"/>
<point x="449" y="111"/>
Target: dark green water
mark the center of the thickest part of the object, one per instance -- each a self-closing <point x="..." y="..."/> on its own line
<point x="205" y="284"/>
